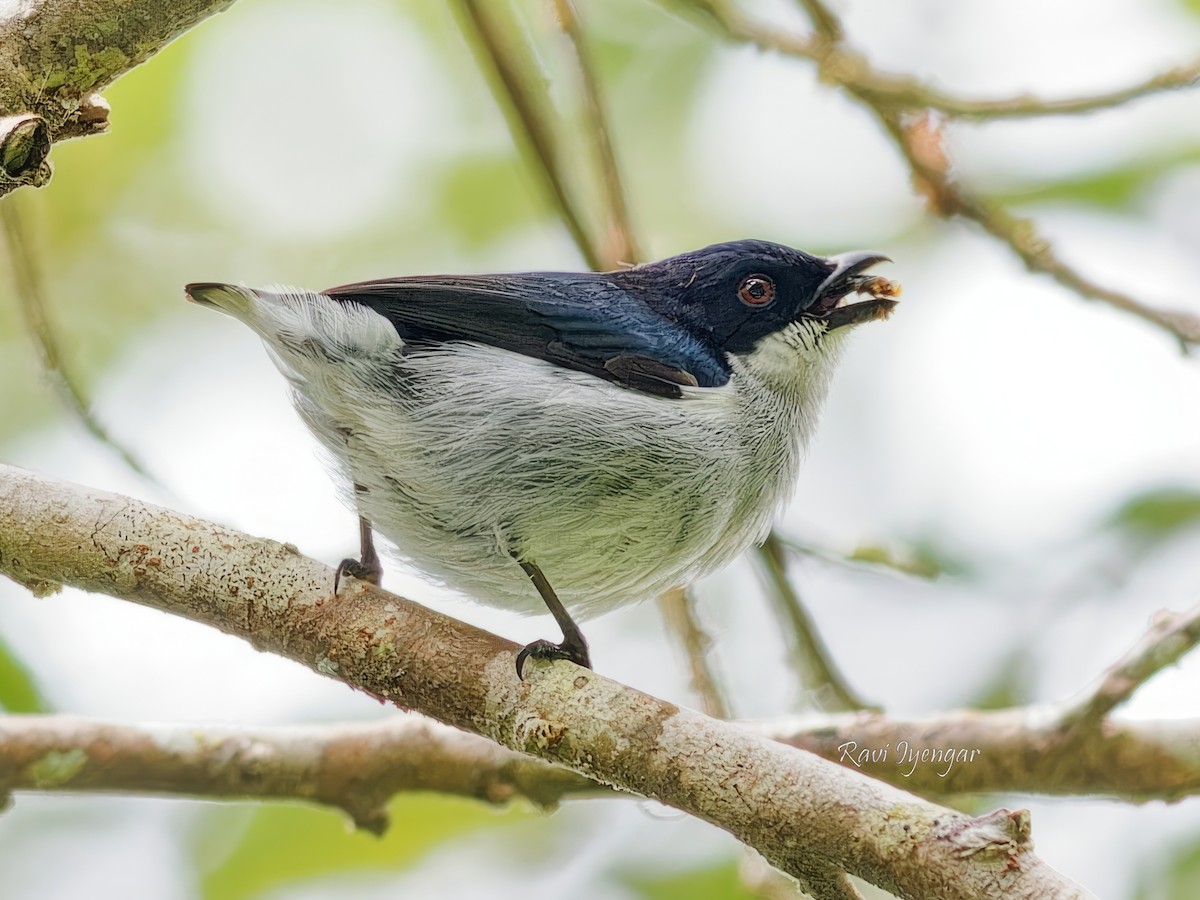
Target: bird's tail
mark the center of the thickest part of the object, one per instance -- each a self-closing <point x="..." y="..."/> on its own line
<point x="233" y="299"/>
<point x="269" y="311"/>
<point x="288" y="318"/>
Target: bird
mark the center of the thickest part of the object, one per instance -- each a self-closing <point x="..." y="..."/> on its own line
<point x="567" y="441"/>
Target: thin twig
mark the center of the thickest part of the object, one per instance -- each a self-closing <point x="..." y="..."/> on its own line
<point x="679" y="612"/>
<point x="527" y="123"/>
<point x="810" y="658"/>
<point x="623" y="245"/>
<point x="842" y="65"/>
<point x="825" y="21"/>
<point x="1027" y="106"/>
<point x="27" y="284"/>
<point x="1171" y="635"/>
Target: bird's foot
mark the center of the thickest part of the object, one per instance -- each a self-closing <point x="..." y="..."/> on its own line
<point x="574" y="651"/>
<point x="370" y="571"/>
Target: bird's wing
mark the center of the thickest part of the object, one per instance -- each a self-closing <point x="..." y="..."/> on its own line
<point x="579" y="321"/>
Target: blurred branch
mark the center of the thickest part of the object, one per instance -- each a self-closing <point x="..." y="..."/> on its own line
<point x="623" y="249"/>
<point x="1066" y="748"/>
<point x="810" y="658"/>
<point x="531" y="121"/>
<point x="359" y="767"/>
<point x="353" y="767"/>
<point x="528" y="122"/>
<point x="27" y="284"/>
<point x="905" y="105"/>
<point x="844" y="66"/>
<point x="1029" y="750"/>
<point x="772" y="797"/>
<point x="920" y="142"/>
<point x="1026" y="106"/>
<point x="55" y="55"/>
<point x="825" y="22"/>
<point x="678" y="607"/>
<point x="1170" y="637"/>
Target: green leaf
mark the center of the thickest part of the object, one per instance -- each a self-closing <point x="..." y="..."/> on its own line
<point x="19" y="692"/>
<point x="284" y="844"/>
<point x="1158" y="514"/>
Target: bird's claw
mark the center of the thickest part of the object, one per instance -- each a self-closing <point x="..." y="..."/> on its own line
<point x="357" y="569"/>
<point x="543" y="649"/>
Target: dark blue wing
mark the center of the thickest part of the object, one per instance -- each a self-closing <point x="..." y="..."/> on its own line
<point x="579" y="321"/>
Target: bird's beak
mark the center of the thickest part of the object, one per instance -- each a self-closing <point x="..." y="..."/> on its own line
<point x="847" y="278"/>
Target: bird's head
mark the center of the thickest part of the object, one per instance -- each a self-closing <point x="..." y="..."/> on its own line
<point x="767" y="303"/>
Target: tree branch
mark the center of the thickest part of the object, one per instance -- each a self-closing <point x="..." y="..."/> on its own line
<point x="356" y="768"/>
<point x="1170" y="636"/>
<point x="56" y="55"/>
<point x="1026" y="750"/>
<point x="1071" y="747"/>
<point x="359" y="767"/>
<point x="804" y="814"/>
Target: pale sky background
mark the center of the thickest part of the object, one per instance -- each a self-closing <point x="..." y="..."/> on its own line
<point x="995" y="413"/>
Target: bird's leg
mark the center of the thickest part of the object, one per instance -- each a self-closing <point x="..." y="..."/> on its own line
<point x="573" y="646"/>
<point x="367" y="567"/>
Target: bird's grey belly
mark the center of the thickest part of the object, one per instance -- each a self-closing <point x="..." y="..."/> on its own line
<point x="607" y="521"/>
<point x="616" y="496"/>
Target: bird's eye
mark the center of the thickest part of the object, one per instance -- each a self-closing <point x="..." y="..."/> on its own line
<point x="756" y="290"/>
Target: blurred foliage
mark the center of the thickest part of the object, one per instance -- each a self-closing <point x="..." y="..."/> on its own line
<point x="283" y="844"/>
<point x="496" y="177"/>
<point x="1011" y="685"/>
<point x="1113" y="188"/>
<point x="97" y="307"/>
<point x="923" y="560"/>
<point x="1179" y="880"/>
<point x="720" y="882"/>
<point x="19" y="691"/>
<point x="1157" y="514"/>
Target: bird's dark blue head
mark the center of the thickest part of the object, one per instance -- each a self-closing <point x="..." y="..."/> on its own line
<point x="734" y="294"/>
